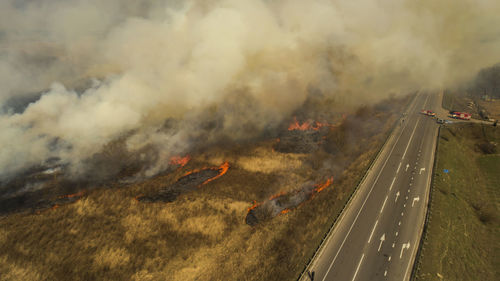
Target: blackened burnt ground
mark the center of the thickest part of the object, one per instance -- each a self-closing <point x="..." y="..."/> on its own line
<point x="183" y="185"/>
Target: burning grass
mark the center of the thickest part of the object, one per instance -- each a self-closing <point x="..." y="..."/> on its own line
<point x="187" y="183"/>
<point x="202" y="235"/>
<point x="180" y="161"/>
<point x="283" y="202"/>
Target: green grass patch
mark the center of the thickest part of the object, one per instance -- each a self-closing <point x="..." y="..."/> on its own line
<point x="462" y="240"/>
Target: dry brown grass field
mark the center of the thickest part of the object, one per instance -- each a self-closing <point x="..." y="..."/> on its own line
<point x="202" y="235"/>
<point x="492" y="107"/>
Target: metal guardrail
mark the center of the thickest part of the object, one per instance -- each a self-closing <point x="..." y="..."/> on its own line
<point x="351" y="196"/>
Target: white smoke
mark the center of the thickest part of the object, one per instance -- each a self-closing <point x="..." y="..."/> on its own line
<point x="251" y="62"/>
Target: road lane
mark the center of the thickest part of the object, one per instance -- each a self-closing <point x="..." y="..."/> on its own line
<point x="376" y="235"/>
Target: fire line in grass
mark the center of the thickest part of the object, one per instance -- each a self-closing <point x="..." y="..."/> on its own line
<point x="59" y="201"/>
<point x="190" y="181"/>
<point x="283" y="202"/>
<point x="179" y="160"/>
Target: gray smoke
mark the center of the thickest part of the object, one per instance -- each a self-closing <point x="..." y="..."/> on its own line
<point x="79" y="74"/>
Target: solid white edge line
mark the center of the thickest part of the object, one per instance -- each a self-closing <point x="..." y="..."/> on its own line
<point x="399" y="167"/>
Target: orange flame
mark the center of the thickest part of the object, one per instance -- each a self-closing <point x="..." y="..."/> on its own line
<point x="285" y="211"/>
<point x="277" y="195"/>
<point x="307" y="125"/>
<point x="297" y="126"/>
<point x="138" y="196"/>
<point x="317" y="188"/>
<point x="181" y="161"/>
<point x="255" y="205"/>
<point x="320" y="187"/>
<point x="222" y="170"/>
<point x="79" y="194"/>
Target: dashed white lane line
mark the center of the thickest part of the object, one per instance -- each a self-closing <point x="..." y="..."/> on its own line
<point x="399" y="167"/>
<point x="393" y="180"/>
<point x="397" y="234"/>
<point x="357" y="268"/>
<point x="389" y="258"/>
<point x="404" y="205"/>
<point x="383" y="205"/>
<point x="393" y="244"/>
<point x="402" y="213"/>
<point x="373" y="230"/>
<point x="411" y="137"/>
<point x="399" y="223"/>
<point x="363" y="205"/>
<point x="385" y="273"/>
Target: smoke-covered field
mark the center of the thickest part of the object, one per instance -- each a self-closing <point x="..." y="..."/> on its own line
<point x="102" y="102"/>
<point x="234" y="211"/>
<point x="163" y="76"/>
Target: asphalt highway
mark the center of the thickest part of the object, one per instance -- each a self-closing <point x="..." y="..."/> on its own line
<point x="377" y="235"/>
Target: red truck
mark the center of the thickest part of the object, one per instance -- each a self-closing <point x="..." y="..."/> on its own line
<point x="428" y="112"/>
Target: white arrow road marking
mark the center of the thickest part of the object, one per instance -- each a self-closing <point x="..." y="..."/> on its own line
<point x="382" y="239"/>
<point x="407" y="166"/>
<point x="397" y="195"/>
<point x="421" y="170"/>
<point x="415" y="199"/>
<point x="404" y="246"/>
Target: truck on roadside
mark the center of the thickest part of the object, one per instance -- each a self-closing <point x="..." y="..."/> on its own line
<point x="460" y="115"/>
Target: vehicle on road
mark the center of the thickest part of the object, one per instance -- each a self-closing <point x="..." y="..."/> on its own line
<point x="428" y="112"/>
<point x="440" y="121"/>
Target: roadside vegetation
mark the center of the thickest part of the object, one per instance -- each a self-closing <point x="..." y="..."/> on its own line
<point x="463" y="235"/>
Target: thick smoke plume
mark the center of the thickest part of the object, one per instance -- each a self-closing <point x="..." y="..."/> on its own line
<point x="161" y="75"/>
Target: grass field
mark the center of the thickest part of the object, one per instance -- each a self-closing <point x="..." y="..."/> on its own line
<point x="492" y="107"/>
<point x="463" y="235"/>
<point x="202" y="235"/>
